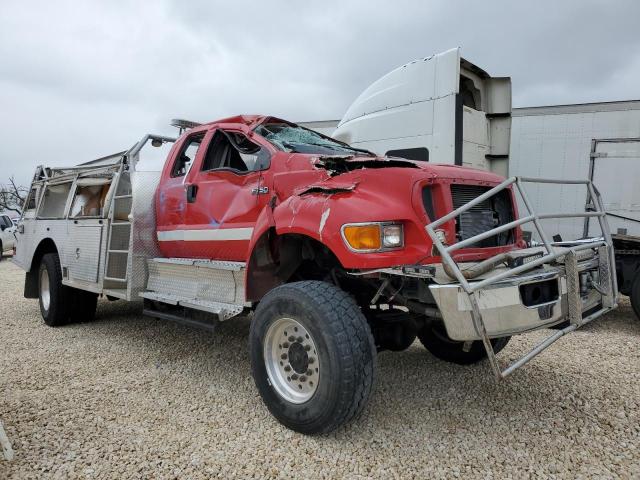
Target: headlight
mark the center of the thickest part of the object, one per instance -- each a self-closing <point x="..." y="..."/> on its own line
<point x="373" y="237"/>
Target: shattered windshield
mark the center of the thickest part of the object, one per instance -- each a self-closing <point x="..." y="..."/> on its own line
<point x="292" y="138"/>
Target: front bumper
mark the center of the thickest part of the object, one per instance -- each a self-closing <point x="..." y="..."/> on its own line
<point x="519" y="304"/>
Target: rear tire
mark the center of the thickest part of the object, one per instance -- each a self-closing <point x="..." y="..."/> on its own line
<point x="435" y="339"/>
<point x="313" y="357"/>
<point x="83" y="305"/>
<point x="53" y="295"/>
<point x="634" y="295"/>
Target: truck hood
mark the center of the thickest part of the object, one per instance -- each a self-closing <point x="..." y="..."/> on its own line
<point x="386" y="177"/>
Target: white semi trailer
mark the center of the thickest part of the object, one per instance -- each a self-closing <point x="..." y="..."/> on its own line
<point x="468" y="120"/>
<point x="598" y="141"/>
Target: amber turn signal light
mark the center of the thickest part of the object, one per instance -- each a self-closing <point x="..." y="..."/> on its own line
<point x="363" y="237"/>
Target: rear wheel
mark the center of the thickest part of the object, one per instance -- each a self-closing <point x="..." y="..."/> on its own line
<point x="53" y="295"/>
<point x="634" y="295"/>
<point x="312" y="356"/>
<point x="435" y="339"/>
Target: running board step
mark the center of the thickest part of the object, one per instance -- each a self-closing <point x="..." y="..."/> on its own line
<point x="223" y="310"/>
<point x="182" y="319"/>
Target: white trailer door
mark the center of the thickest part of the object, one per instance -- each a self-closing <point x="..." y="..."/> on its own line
<point x="616" y="174"/>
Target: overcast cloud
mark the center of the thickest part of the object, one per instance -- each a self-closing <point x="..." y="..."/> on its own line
<point x="79" y="80"/>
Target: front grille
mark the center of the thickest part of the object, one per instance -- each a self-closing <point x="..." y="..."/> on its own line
<point x="488" y="214"/>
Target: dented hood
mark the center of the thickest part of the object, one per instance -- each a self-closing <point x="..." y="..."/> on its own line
<point x="334" y="174"/>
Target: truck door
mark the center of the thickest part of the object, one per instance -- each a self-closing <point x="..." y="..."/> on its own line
<point x="224" y="196"/>
<point x="171" y="201"/>
<point x="615" y="169"/>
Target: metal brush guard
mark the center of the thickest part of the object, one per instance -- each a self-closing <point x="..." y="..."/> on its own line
<point x="593" y="208"/>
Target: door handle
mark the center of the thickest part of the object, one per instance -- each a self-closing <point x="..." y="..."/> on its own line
<point x="192" y="192"/>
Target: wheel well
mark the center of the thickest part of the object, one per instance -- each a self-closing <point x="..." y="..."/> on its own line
<point x="278" y="259"/>
<point x="31" y="279"/>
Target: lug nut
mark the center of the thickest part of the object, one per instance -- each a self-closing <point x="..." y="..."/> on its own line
<point x="311" y="360"/>
<point x="309" y="372"/>
<point x="287" y="368"/>
<point x="292" y="338"/>
<point x="300" y="339"/>
<point x="303" y="378"/>
<point x="294" y="376"/>
<point x="283" y="356"/>
<point x="285" y="345"/>
<point x="307" y="347"/>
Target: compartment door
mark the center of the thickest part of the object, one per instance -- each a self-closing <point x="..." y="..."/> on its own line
<point x="82" y="251"/>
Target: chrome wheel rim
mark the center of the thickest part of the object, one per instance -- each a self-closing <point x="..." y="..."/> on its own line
<point x="291" y="360"/>
<point x="45" y="294"/>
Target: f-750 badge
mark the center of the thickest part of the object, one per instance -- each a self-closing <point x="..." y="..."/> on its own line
<point x="259" y="190"/>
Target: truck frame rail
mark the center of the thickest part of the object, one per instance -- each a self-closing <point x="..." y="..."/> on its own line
<point x="568" y="254"/>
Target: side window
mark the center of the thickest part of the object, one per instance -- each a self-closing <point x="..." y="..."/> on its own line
<point x="234" y="151"/>
<point x="5" y="222"/>
<point x="470" y="94"/>
<point x="54" y="201"/>
<point x="186" y="156"/>
<point x="418" y="153"/>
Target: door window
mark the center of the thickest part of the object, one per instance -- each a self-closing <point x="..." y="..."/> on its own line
<point x="187" y="156"/>
<point x="234" y="151"/>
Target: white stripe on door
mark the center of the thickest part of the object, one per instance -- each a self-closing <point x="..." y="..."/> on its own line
<point x="204" y="235"/>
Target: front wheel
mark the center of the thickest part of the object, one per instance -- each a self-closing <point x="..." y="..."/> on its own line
<point x="435" y="339"/>
<point x="312" y="356"/>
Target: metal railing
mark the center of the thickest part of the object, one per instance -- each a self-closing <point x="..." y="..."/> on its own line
<point x="568" y="254"/>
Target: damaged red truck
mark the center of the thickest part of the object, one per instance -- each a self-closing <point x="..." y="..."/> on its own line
<point x="334" y="252"/>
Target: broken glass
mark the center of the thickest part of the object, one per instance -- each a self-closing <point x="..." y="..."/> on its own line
<point x="292" y="138"/>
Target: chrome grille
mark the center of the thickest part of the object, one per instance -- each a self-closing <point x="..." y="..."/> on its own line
<point x="484" y="216"/>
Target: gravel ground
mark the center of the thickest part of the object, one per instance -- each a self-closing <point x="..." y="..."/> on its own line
<point x="127" y="396"/>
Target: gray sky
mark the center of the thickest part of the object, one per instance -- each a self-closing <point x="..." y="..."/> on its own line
<point x="79" y="80"/>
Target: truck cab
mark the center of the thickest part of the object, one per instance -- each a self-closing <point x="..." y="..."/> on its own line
<point x="439" y="109"/>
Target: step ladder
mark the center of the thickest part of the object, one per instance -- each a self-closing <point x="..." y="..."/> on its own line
<point x="119" y="238"/>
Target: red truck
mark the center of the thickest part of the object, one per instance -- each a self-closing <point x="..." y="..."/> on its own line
<point x="335" y="253"/>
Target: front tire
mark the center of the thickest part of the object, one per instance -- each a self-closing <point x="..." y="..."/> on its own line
<point x="53" y="295"/>
<point x="435" y="339"/>
<point x="312" y="356"/>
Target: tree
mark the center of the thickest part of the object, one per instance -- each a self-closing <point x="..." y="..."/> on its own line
<point x="12" y="196"/>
